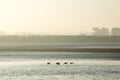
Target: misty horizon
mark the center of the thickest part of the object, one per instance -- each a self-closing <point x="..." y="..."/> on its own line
<point x="59" y="39"/>
<point x="94" y="31"/>
<point x="58" y="16"/>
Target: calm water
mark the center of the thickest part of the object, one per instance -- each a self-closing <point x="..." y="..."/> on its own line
<point x="33" y="66"/>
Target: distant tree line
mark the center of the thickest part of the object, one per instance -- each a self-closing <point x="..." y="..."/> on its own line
<point x="105" y="31"/>
<point x="95" y="32"/>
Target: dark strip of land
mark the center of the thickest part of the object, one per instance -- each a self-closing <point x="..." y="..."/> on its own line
<point x="95" y="50"/>
<point x="59" y="39"/>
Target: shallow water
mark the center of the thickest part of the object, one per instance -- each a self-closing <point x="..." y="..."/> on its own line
<point x="40" y="70"/>
<point x="33" y="66"/>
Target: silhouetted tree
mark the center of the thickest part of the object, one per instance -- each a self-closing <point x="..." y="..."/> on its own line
<point x="105" y="31"/>
<point x="100" y="32"/>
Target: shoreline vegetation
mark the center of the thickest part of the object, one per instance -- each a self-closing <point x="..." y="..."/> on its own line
<point x="58" y="43"/>
<point x="59" y="39"/>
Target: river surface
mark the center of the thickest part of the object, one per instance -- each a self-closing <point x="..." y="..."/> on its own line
<point x="85" y="66"/>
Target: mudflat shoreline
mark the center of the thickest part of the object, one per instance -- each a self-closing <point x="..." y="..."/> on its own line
<point x="95" y="50"/>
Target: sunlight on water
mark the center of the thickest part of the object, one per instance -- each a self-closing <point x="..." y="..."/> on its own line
<point x="40" y="70"/>
<point x="59" y="66"/>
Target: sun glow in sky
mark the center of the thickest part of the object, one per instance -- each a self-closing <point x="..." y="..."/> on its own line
<point x="52" y="16"/>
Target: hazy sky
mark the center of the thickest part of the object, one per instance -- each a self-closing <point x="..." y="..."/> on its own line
<point x="52" y="16"/>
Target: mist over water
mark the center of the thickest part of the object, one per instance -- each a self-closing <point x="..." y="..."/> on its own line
<point x="59" y="39"/>
<point x="59" y="57"/>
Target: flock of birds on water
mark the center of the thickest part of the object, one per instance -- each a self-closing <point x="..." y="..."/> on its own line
<point x="58" y="63"/>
